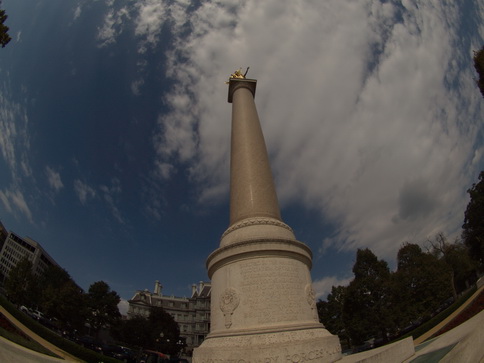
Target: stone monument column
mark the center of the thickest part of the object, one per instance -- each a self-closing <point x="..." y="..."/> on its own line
<point x="263" y="306"/>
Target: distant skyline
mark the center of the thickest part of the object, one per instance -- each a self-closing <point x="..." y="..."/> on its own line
<point x="115" y="128"/>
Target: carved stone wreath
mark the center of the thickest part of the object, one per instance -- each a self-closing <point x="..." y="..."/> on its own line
<point x="229" y="301"/>
<point x="310" y="296"/>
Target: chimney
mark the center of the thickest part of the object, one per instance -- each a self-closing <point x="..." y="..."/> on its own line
<point x="201" y="287"/>
<point x="194" y="289"/>
<point x="158" y="288"/>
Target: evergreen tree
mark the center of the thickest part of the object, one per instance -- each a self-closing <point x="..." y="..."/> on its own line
<point x="21" y="284"/>
<point x="479" y="67"/>
<point x="4" y="37"/>
<point x="103" y="306"/>
<point x="367" y="309"/>
<point x="473" y="228"/>
<point x="331" y="313"/>
<point x="62" y="299"/>
<point x="165" y="333"/>
<point x="421" y="284"/>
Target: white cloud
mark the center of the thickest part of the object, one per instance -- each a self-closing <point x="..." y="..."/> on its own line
<point x="54" y="179"/>
<point x="123" y="307"/>
<point x="322" y="287"/>
<point x="14" y="137"/>
<point x="109" y="194"/>
<point x="356" y="106"/>
<point x="136" y="85"/>
<point x="77" y="12"/>
<point x="83" y="191"/>
<point x="14" y="201"/>
<point x="151" y="16"/>
<point x="113" y="25"/>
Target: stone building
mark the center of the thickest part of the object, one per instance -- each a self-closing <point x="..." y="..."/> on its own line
<point x="192" y="314"/>
<point x="15" y="248"/>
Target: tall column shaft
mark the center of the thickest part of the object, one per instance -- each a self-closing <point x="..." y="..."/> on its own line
<point x="263" y="304"/>
<point x="252" y="191"/>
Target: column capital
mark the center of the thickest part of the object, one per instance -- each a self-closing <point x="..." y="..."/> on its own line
<point x="236" y="83"/>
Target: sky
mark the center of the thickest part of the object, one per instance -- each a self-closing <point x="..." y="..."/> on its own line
<point x="115" y="128"/>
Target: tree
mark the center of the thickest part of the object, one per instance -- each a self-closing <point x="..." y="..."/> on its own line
<point x="458" y="265"/>
<point x="4" y="37"/>
<point x="331" y="313"/>
<point x="479" y="66"/>
<point x="21" y="284"/>
<point x="367" y="308"/>
<point x="158" y="332"/>
<point x="135" y="331"/>
<point x="62" y="299"/>
<point x="421" y="284"/>
<point x="473" y="228"/>
<point x="103" y="306"/>
<point x="165" y="332"/>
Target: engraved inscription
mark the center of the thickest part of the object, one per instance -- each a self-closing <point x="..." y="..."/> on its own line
<point x="273" y="289"/>
<point x="240" y="360"/>
<point x="312" y="355"/>
<point x="300" y="357"/>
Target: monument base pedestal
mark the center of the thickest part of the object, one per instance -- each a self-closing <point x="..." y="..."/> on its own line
<point x="308" y="345"/>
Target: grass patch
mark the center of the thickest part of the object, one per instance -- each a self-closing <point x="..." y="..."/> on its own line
<point x="27" y="343"/>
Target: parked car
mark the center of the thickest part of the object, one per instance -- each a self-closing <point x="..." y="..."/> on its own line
<point x="37" y="315"/>
<point x="25" y="310"/>
<point x="91" y="343"/>
<point x="119" y="352"/>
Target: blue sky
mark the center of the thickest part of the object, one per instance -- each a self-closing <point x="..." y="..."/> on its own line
<point x="115" y="128"/>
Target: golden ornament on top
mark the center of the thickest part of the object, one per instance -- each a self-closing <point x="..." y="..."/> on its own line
<point x="238" y="74"/>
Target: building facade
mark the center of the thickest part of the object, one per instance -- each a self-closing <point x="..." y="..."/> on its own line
<point x="16" y="248"/>
<point x="3" y="234"/>
<point x="192" y="314"/>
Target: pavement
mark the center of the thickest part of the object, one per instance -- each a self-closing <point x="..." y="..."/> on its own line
<point x="464" y="343"/>
<point x="6" y="354"/>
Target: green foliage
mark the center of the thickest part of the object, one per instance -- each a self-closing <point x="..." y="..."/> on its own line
<point x="4" y="37"/>
<point x="331" y="313"/>
<point x="133" y="332"/>
<point x="21" y="284"/>
<point x="455" y="258"/>
<point x="421" y="284"/>
<point x="479" y="66"/>
<point x="473" y="228"/>
<point x="367" y="310"/>
<point x="158" y="332"/>
<point x="62" y="299"/>
<point x="103" y="306"/>
<point x="380" y="304"/>
<point x="165" y="333"/>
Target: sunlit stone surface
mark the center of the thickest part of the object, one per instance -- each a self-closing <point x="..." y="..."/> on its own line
<point x="263" y="304"/>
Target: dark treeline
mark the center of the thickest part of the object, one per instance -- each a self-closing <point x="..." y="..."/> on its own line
<point x="381" y="304"/>
<point x="75" y="313"/>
